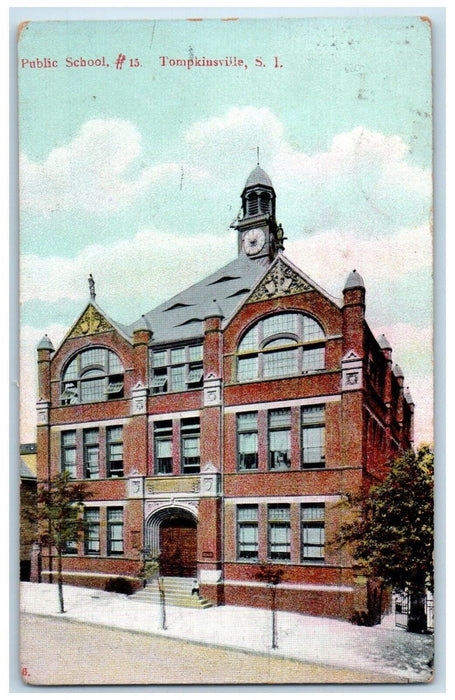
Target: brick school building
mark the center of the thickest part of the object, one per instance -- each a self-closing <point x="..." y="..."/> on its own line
<point x="223" y="428"/>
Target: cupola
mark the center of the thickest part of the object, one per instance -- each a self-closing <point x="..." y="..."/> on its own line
<point x="260" y="236"/>
<point x="258" y="196"/>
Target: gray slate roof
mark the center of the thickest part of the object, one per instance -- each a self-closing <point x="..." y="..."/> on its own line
<point x="258" y="176"/>
<point x="182" y="317"/>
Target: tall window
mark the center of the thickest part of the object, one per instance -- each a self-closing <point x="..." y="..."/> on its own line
<point x="279" y="532"/>
<point x="92" y="530"/>
<point x="114" y="452"/>
<point x="280" y="439"/>
<point x="92" y="375"/>
<point x="68" y="452"/>
<point x="91" y="453"/>
<point x="258" y="202"/>
<point x="313" y="531"/>
<point x="115" y="530"/>
<point x="313" y="437"/>
<point x="247" y="532"/>
<point x="162" y="433"/>
<point x="281" y="345"/>
<point x="176" y="369"/>
<point x="247" y="440"/>
<point x="191" y="451"/>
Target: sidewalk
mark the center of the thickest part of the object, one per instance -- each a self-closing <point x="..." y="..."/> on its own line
<point x="381" y="649"/>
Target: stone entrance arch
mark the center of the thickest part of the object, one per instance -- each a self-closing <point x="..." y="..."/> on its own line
<point x="171" y="532"/>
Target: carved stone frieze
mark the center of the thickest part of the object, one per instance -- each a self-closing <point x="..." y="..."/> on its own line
<point x="164" y="504"/>
<point x="281" y="280"/>
<point x="172" y="484"/>
<point x="90" y="323"/>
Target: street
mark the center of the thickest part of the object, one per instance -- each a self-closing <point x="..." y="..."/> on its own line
<point x="62" y="652"/>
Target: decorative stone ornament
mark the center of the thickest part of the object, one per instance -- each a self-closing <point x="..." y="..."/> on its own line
<point x="139" y="399"/>
<point x="351" y="368"/>
<point x="281" y="280"/>
<point x="135" y="486"/>
<point x="210" y="481"/>
<point x="209" y="485"/>
<point x="212" y="391"/>
<point x="42" y="412"/>
<point x="166" y="506"/>
<point x="90" y="323"/>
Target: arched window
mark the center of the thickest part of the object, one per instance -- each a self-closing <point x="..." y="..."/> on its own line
<point x="92" y="375"/>
<point x="258" y="202"/>
<point x="281" y="345"/>
<point x="252" y="204"/>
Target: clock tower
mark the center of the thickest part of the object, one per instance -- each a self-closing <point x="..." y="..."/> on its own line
<point x="259" y="235"/>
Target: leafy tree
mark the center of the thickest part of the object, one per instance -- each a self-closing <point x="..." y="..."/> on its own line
<point x="392" y="537"/>
<point x="58" y="517"/>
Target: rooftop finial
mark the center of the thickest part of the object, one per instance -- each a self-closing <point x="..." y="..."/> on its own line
<point x="257" y="154"/>
<point x="91" y="286"/>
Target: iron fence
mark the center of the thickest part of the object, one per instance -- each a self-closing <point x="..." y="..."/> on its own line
<point x="402" y="606"/>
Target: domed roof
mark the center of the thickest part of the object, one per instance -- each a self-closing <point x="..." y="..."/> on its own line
<point x="45" y="344"/>
<point x="258" y="176"/>
<point x="384" y="343"/>
<point x="408" y="396"/>
<point x="398" y="372"/>
<point x="141" y="325"/>
<point x="354" y="280"/>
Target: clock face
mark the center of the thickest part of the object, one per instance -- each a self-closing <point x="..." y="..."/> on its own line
<point x="253" y="241"/>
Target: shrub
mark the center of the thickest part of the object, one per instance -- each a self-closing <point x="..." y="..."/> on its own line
<point x="119" y="585"/>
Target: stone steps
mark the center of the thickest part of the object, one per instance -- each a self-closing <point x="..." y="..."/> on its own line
<point x="177" y="592"/>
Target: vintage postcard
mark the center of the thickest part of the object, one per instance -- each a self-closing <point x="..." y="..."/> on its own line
<point x="226" y="351"/>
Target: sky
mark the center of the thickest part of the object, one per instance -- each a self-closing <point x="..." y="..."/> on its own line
<point x="134" y="174"/>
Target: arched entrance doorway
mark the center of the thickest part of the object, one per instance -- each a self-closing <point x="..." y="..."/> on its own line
<point x="178" y="546"/>
<point x="171" y="533"/>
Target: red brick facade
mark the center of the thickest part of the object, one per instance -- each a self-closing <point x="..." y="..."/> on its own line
<point x="181" y="447"/>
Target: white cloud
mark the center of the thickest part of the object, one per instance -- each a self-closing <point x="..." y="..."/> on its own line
<point x="217" y="143"/>
<point x="152" y="262"/>
<point x="144" y="261"/>
<point x="352" y="154"/>
<point x="99" y="170"/>
<point x="359" y="153"/>
<point x="329" y="256"/>
<point x="362" y="177"/>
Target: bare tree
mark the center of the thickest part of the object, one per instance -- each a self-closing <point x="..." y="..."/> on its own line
<point x="272" y="575"/>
